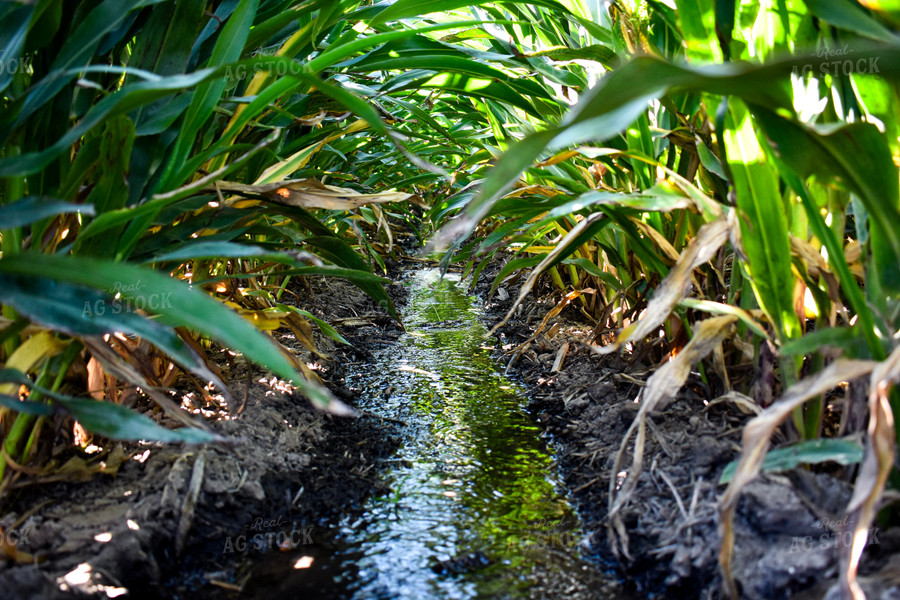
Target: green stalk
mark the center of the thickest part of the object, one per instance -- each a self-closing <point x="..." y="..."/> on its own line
<point x="282" y="287"/>
<point x="65" y="361"/>
<point x="22" y="425"/>
<point x="15" y="189"/>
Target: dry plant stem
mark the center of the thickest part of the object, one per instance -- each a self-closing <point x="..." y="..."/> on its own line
<point x="661" y="389"/>
<point x="190" y="502"/>
<point x="756" y="438"/>
<point x="873" y="474"/>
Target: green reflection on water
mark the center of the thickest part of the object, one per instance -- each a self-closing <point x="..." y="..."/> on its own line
<point x="478" y="464"/>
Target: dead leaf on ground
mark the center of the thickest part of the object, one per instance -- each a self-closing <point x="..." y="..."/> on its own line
<point x="755" y="443"/>
<point x="660" y="390"/>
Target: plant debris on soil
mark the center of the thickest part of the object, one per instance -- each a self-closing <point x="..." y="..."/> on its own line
<point x="188" y="521"/>
<point x="787" y="523"/>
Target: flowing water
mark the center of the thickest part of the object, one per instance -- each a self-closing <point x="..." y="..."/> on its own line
<point x="474" y="510"/>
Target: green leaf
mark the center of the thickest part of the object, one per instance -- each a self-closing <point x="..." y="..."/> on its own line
<point x="841" y="451"/>
<point x="697" y="22"/>
<point x="850" y="16"/>
<point x="228" y="49"/>
<point x="764" y="230"/>
<point x="119" y="423"/>
<point x="184" y="306"/>
<point x="27" y="408"/>
<point x="403" y="9"/>
<point x="34" y="208"/>
<point x="476" y="87"/>
<point x="122" y="101"/>
<point x="205" y="249"/>
<point x="323" y="326"/>
<point x="856" y="156"/>
<point x="104" y="418"/>
<point x="164" y="47"/>
<point x="78" y="49"/>
<point x="622" y="95"/>
<point x="82" y="311"/>
<point x="14" y="20"/>
<point x="845" y="338"/>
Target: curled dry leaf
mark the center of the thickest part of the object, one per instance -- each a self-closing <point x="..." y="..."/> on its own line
<point x="873" y="473"/>
<point x="561" y="247"/>
<point x="672" y="289"/>
<point x="755" y="443"/>
<point x="311" y="193"/>
<point x="659" y="392"/>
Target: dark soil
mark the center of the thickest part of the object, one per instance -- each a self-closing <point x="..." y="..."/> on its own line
<point x="783" y="546"/>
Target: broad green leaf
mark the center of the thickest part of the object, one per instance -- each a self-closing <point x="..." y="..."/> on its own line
<point x="34" y="208"/>
<point x="27" y="408"/>
<point x="596" y="52"/>
<point x="850" y="16"/>
<point x="184" y="306"/>
<point x="228" y="49"/>
<point x="592" y="269"/>
<point x="14" y="20"/>
<point x="104" y="418"/>
<point x="323" y="326"/>
<point x="82" y="311"/>
<point x="620" y="97"/>
<point x="843" y="452"/>
<point x="476" y="87"/>
<point x="119" y="423"/>
<point x="207" y="249"/>
<point x="77" y="51"/>
<point x="474" y="70"/>
<point x="697" y="20"/>
<point x="164" y="48"/>
<point x="332" y="56"/>
<point x="122" y="101"/>
<point x="763" y="223"/>
<point x="856" y="156"/>
<point x="403" y="9"/>
<point x="847" y="339"/>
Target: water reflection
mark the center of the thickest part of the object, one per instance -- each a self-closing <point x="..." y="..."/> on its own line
<point x="472" y="480"/>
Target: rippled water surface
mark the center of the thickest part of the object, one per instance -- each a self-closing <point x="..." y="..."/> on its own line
<point x="473" y="509"/>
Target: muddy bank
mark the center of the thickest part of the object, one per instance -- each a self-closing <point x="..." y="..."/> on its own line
<point x="785" y="525"/>
<point x="187" y="521"/>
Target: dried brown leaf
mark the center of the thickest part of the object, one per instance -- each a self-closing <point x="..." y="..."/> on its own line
<point x="658" y="393"/>
<point x="756" y="438"/>
<point x="311" y="193"/>
<point x="703" y="247"/>
<point x="873" y="473"/>
<point x="548" y="260"/>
